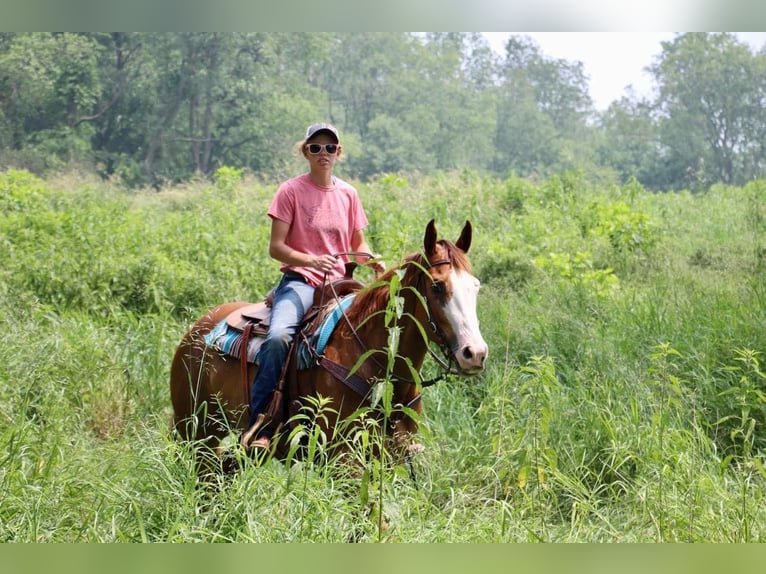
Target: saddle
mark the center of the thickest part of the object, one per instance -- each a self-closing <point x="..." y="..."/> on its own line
<point x="252" y="320"/>
<point x="253" y="317"/>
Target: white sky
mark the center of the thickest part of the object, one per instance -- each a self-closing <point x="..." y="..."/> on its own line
<point x="612" y="60"/>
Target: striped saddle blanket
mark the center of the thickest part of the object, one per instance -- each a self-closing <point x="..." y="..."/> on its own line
<point x="227" y="336"/>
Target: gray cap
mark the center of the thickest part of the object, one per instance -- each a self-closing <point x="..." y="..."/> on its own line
<point x="314" y="129"/>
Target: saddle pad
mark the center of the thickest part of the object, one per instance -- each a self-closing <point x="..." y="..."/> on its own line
<point x="328" y="325"/>
<point x="228" y="341"/>
<point x="319" y="339"/>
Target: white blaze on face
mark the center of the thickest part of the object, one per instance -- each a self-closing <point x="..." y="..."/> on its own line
<point x="471" y="349"/>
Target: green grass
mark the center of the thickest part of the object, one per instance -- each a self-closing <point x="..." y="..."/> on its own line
<point x="624" y="400"/>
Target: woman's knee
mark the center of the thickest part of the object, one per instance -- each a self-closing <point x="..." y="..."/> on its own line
<point x="279" y="337"/>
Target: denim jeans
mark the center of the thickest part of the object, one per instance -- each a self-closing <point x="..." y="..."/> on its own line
<point x="292" y="299"/>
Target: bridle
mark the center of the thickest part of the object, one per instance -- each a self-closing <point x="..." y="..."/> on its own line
<point x="442" y="339"/>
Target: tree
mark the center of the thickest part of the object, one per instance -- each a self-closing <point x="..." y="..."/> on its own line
<point x="223" y="99"/>
<point x="543" y="112"/>
<point x="270" y="91"/>
<point x="50" y="84"/>
<point x="124" y="99"/>
<point x="526" y="141"/>
<point x="630" y="142"/>
<point x="711" y="100"/>
<point x="458" y="92"/>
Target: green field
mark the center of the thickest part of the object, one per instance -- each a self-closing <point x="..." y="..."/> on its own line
<point x="624" y="399"/>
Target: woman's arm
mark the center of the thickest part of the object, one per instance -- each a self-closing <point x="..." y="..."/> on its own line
<point x="282" y="252"/>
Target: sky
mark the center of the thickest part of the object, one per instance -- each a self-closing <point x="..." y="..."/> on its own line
<point x="612" y="60"/>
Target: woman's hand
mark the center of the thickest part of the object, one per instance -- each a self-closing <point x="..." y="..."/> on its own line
<point x="377" y="264"/>
<point x="325" y="263"/>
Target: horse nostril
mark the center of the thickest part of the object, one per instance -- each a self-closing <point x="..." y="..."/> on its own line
<point x="472" y="356"/>
<point x="480" y="356"/>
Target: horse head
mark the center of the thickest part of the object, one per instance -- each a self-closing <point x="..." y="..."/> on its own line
<point x="451" y="296"/>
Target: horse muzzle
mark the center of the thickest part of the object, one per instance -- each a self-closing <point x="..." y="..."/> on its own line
<point x="471" y="359"/>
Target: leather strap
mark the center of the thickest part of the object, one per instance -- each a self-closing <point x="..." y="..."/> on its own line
<point x="352" y="381"/>
<point x="243" y="360"/>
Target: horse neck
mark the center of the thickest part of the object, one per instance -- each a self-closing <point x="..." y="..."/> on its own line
<point x="374" y="332"/>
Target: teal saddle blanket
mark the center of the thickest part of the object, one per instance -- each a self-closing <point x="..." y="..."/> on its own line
<point x="227" y="340"/>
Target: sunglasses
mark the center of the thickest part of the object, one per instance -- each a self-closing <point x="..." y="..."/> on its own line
<point x="314" y="149"/>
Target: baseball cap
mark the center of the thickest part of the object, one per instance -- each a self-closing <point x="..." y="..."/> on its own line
<point x="314" y="129"/>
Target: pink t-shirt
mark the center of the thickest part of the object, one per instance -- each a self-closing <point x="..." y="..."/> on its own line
<point x="322" y="221"/>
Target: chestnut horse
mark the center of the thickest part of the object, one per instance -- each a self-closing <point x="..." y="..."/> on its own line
<point x="437" y="296"/>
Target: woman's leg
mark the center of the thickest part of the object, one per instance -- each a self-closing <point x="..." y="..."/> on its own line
<point x="292" y="299"/>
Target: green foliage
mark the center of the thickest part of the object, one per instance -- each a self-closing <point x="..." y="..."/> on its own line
<point x="623" y="398"/>
<point x="53" y="83"/>
<point x="20" y="191"/>
<point x="743" y="405"/>
<point x="142" y="253"/>
<point x="708" y="89"/>
<point x="227" y="178"/>
<point x="626" y="229"/>
<point x="158" y="108"/>
<point x="577" y="269"/>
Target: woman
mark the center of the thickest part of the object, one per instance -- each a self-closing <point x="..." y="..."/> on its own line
<point x="314" y="217"/>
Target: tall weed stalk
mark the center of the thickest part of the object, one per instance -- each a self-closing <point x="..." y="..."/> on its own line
<point x="538" y="458"/>
<point x="666" y="411"/>
<point x="750" y="404"/>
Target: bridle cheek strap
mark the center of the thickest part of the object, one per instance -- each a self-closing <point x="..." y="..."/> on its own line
<point x="446" y="365"/>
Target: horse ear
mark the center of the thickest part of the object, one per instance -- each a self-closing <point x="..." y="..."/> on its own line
<point x="429" y="241"/>
<point x="464" y="241"/>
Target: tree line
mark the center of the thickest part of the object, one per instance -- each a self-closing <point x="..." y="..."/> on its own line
<point x="153" y="108"/>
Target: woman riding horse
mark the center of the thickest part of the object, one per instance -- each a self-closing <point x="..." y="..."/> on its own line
<point x="438" y="304"/>
<point x="313" y="216"/>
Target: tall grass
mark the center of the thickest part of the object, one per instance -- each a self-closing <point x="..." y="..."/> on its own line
<point x="624" y="399"/>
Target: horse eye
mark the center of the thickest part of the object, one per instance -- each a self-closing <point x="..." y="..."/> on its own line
<point x="438" y="287"/>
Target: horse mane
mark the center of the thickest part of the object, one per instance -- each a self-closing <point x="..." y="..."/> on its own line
<point x="375" y="295"/>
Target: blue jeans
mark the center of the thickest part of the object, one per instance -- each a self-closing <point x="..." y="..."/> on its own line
<point x="292" y="299"/>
